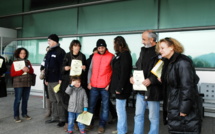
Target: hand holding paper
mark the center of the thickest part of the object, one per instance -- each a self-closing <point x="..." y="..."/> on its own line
<point x="85" y="118"/>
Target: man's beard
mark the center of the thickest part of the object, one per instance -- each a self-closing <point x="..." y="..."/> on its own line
<point x="148" y="45"/>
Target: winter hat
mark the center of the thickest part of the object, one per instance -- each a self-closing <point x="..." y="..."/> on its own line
<point x="54" y="37"/>
<point x="100" y="43"/>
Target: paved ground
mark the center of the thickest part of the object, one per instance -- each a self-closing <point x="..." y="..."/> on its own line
<point x="37" y="124"/>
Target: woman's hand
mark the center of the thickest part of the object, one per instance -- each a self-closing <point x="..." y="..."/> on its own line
<point x="25" y="69"/>
<point x="67" y="68"/>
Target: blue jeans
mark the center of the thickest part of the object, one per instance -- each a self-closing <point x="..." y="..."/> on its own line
<point x="94" y="95"/>
<point x="21" y="93"/>
<point x="122" y="116"/>
<point x="154" y="108"/>
<point x="71" y="119"/>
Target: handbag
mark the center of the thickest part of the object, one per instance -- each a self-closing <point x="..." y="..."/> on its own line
<point x="33" y="79"/>
<point x="42" y="75"/>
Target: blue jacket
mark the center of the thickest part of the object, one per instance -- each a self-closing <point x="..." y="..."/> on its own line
<point x="53" y="64"/>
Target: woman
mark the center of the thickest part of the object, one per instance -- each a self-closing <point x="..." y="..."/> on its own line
<point x="74" y="54"/>
<point x="179" y="79"/>
<point x="22" y="81"/>
<point x="120" y="85"/>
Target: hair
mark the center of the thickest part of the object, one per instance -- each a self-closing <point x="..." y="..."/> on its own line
<point x="18" y="50"/>
<point x="177" y="46"/>
<point x="120" y="44"/>
<point x="152" y="34"/>
<point x="74" y="78"/>
<point x="74" y="43"/>
<point x="94" y="49"/>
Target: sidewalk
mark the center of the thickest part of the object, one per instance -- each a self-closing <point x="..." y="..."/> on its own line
<point x="37" y="124"/>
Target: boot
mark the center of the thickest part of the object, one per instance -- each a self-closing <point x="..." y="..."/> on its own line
<point x="48" y="108"/>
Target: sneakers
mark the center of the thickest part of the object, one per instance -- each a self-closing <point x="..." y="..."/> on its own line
<point x="82" y="132"/>
<point x="26" y="117"/>
<point x="101" y="130"/>
<point x="17" y="119"/>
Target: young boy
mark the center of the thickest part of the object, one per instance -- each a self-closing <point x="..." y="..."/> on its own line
<point x="77" y="103"/>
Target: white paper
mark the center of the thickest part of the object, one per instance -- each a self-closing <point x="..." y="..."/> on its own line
<point x="76" y="67"/>
<point x="1" y="62"/>
<point x="138" y="78"/>
<point x="85" y="118"/>
<point x="19" y="65"/>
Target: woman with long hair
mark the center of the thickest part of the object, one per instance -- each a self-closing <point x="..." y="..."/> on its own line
<point x="120" y="85"/>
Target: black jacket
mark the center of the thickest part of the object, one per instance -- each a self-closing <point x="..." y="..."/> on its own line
<point x="3" y="67"/>
<point x="122" y="67"/>
<point x="181" y="95"/>
<point x="66" y="74"/>
<point x="147" y="60"/>
<point x="53" y="64"/>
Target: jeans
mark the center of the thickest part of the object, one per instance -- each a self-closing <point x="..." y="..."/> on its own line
<point x="71" y="119"/>
<point x="122" y="116"/>
<point x="154" y="108"/>
<point x="21" y="93"/>
<point x="94" y="95"/>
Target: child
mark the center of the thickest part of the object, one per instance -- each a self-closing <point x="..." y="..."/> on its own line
<point x="77" y="103"/>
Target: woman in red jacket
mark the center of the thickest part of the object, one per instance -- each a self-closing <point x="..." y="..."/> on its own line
<point x="21" y="71"/>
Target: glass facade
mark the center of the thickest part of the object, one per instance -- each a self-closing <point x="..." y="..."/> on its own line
<point x="198" y="46"/>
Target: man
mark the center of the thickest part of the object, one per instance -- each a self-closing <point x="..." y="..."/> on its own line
<point x="53" y="65"/>
<point x="3" y="69"/>
<point x="99" y="77"/>
<point x="148" y="58"/>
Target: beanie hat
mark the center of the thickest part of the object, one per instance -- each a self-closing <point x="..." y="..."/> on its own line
<point x="54" y="37"/>
<point x="100" y="43"/>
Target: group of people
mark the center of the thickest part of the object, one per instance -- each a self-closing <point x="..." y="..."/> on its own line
<point x="106" y="74"/>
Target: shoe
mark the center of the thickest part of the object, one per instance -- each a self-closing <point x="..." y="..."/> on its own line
<point x="65" y="128"/>
<point x="26" y="117"/>
<point x="51" y="121"/>
<point x="61" y="124"/>
<point x="17" y="119"/>
<point x="82" y="132"/>
<point x="113" y="120"/>
<point x="76" y="126"/>
<point x="70" y="132"/>
<point x="88" y="128"/>
<point x="101" y="130"/>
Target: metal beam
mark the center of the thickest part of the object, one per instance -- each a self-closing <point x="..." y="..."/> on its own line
<point x="125" y="32"/>
<point x="62" y="7"/>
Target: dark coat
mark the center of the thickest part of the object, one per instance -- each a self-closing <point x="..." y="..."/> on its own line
<point x="148" y="58"/>
<point x="53" y="64"/>
<point x="181" y="95"/>
<point x="3" y="69"/>
<point x="122" y="67"/>
<point x="66" y="74"/>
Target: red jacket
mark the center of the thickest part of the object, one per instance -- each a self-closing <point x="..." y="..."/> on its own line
<point x="101" y="70"/>
<point x="14" y="73"/>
